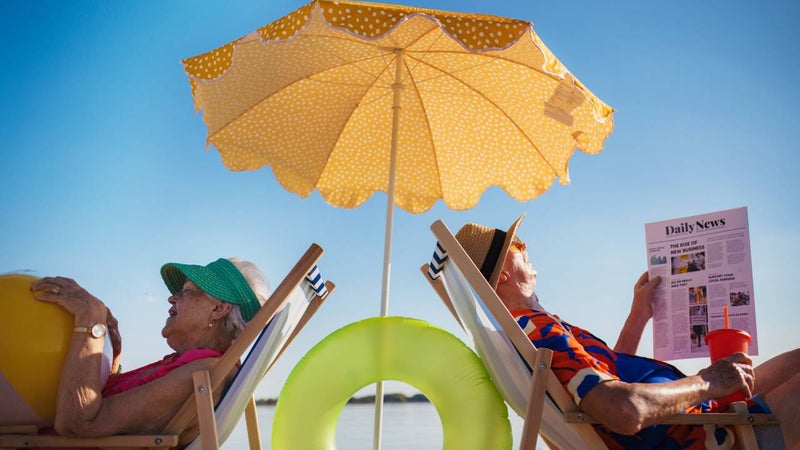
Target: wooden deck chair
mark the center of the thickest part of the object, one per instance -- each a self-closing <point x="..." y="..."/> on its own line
<point x="530" y="388"/>
<point x="267" y="334"/>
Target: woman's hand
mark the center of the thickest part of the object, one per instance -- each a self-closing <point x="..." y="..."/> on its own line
<point x="86" y="308"/>
<point x="116" y="341"/>
<point x="66" y="293"/>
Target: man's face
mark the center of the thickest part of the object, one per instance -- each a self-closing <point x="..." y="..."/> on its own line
<point x="518" y="280"/>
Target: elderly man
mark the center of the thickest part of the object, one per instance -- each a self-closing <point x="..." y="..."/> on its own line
<point x="628" y="393"/>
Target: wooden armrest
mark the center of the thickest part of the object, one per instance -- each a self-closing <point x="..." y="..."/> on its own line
<point x="691" y="419"/>
<point x="122" y="441"/>
<point x="19" y="429"/>
<point x="727" y="418"/>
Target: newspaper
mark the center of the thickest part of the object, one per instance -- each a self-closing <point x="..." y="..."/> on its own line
<point x="704" y="264"/>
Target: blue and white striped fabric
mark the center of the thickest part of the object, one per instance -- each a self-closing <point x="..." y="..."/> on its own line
<point x="314" y="285"/>
<point x="437" y="262"/>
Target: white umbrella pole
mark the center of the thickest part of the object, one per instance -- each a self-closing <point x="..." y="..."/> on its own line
<point x="397" y="89"/>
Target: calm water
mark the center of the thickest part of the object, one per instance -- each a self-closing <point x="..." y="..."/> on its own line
<point x="405" y="426"/>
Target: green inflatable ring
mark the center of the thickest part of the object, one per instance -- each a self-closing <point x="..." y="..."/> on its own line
<point x="437" y="363"/>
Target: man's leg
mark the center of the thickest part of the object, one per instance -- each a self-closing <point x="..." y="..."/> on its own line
<point x="778" y="384"/>
<point x="775" y="371"/>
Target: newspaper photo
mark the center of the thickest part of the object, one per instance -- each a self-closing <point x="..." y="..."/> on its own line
<point x="706" y="272"/>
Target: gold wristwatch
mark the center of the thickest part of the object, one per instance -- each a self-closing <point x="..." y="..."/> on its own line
<point x="97" y="330"/>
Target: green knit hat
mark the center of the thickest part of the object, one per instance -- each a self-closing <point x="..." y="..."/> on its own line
<point x="220" y="279"/>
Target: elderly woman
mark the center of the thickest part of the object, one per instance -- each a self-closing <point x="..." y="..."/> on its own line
<point x="209" y="307"/>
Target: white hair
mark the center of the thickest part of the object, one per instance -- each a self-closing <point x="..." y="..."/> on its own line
<point x="233" y="322"/>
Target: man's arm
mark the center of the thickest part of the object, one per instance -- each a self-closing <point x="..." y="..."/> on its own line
<point x="626" y="408"/>
<point x="641" y="312"/>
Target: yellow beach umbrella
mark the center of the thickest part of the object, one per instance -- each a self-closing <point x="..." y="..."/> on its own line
<point x="351" y="98"/>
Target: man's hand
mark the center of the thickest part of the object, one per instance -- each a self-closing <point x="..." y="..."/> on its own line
<point x="643" y="301"/>
<point x="728" y="375"/>
<point x="641" y="312"/>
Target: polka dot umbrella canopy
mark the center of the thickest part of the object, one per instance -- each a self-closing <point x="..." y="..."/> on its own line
<point x="352" y="98"/>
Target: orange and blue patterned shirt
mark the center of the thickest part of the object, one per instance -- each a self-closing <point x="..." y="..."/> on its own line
<point x="581" y="361"/>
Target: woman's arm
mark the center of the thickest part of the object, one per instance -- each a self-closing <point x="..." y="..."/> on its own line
<point x="80" y="384"/>
<point x="80" y="408"/>
<point x="641" y="312"/>
<point x="144" y="409"/>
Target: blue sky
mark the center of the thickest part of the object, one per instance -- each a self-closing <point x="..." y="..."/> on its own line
<point x="105" y="176"/>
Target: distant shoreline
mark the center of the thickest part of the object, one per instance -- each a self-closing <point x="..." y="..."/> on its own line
<point x="368" y="399"/>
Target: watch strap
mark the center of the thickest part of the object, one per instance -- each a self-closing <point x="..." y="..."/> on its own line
<point x="90" y="330"/>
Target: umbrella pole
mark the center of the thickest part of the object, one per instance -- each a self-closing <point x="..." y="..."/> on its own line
<point x="397" y="89"/>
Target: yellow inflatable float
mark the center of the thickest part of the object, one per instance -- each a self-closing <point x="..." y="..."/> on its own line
<point x="472" y="412"/>
<point x="34" y="337"/>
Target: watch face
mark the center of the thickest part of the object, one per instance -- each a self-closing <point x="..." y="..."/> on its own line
<point x="98" y="330"/>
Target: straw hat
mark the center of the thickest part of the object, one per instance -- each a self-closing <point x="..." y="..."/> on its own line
<point x="488" y="247"/>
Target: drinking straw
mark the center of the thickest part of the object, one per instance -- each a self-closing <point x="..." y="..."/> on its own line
<point x="725" y="313"/>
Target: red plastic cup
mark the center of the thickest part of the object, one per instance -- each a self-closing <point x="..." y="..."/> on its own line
<point x="724" y="342"/>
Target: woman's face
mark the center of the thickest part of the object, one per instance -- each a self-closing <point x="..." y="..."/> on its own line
<point x="189" y="315"/>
